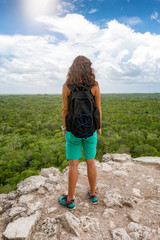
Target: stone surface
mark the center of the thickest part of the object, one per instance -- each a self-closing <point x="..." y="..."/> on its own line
<point x="116" y="157"/>
<point x="136" y="192"/>
<point x="129" y="205"/>
<point x="46" y="229"/>
<point x="106" y="157"/>
<point x="108" y="213"/>
<point x="28" y="198"/>
<point x="51" y="210"/>
<point x="148" y="160"/>
<point x="106" y="167"/>
<point x="49" y="187"/>
<point x="12" y="195"/>
<point x="30" y="184"/>
<point x="130" y="201"/>
<point x="70" y="223"/>
<point x="34" y="206"/>
<point x="135" y="216"/>
<point x="21" y="228"/>
<point x="120" y="173"/>
<point x="89" y="224"/>
<point x="121" y="157"/>
<point x="14" y="211"/>
<point x="49" y="172"/>
<point x="120" y="234"/>
<point x="112" y="198"/>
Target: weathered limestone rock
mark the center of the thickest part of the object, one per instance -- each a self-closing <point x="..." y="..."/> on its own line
<point x="49" y="187"/>
<point x="34" y="207"/>
<point x="120" y="173"/>
<point x="58" y="187"/>
<point x="6" y="204"/>
<point x="30" y="184"/>
<point x="112" y="225"/>
<point x="12" y="195"/>
<point x="97" y="164"/>
<point x="120" y="234"/>
<point x="53" y="179"/>
<point x="136" y="192"/>
<point x="49" y="172"/>
<point x="102" y="186"/>
<point x="106" y="167"/>
<point x="28" y="198"/>
<point x="21" y="228"/>
<point x="82" y="168"/>
<point x="135" y="227"/>
<point x="106" y="157"/>
<point x="138" y="231"/>
<point x="47" y="228"/>
<point x="134" y="235"/>
<point x="51" y="210"/>
<point x="148" y="160"/>
<point x="121" y="157"/>
<point x="130" y="201"/>
<point x="116" y="157"/>
<point x="42" y="191"/>
<point x="158" y="187"/>
<point x="3" y="197"/>
<point x="135" y="216"/>
<point x="13" y="212"/>
<point x="108" y="212"/>
<point x="70" y="223"/>
<point x="151" y="180"/>
<point x="112" y="198"/>
<point x="89" y="224"/>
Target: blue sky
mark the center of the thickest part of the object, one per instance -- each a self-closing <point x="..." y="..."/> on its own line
<point x="40" y="38"/>
<point x="136" y="13"/>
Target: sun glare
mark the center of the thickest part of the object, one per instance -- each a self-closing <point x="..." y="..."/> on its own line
<point x="35" y="8"/>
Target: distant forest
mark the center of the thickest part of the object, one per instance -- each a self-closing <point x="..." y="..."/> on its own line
<point x="31" y="137"/>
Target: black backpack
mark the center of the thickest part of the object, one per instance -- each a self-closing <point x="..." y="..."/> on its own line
<point x="83" y="116"/>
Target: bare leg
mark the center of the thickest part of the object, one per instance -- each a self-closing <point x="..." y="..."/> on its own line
<point x="92" y="175"/>
<point x="72" y="178"/>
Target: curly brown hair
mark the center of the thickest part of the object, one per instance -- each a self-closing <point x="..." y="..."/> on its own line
<point x="81" y="72"/>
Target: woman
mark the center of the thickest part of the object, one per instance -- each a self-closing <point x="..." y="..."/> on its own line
<point x="80" y="73"/>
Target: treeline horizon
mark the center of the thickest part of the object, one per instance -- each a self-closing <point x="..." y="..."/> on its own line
<point x="124" y="93"/>
<point x="31" y="136"/>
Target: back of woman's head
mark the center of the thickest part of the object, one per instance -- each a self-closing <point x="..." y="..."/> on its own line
<point x="81" y="72"/>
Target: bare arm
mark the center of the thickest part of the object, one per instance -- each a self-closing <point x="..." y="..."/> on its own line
<point x="96" y="93"/>
<point x="98" y="100"/>
<point x="65" y="94"/>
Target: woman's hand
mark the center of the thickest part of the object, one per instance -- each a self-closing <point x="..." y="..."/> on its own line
<point x="64" y="133"/>
<point x="99" y="133"/>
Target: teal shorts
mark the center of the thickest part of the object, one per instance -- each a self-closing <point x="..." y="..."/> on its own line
<point x="74" y="146"/>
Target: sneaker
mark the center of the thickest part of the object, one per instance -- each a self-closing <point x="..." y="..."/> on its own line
<point x="93" y="198"/>
<point x="69" y="204"/>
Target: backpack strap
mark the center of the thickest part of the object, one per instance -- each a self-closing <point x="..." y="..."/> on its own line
<point x="71" y="87"/>
<point x="74" y="87"/>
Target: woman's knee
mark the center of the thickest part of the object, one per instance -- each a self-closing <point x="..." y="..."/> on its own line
<point x="74" y="163"/>
<point x="90" y="162"/>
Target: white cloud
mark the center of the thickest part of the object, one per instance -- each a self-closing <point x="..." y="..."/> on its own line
<point x="65" y="7"/>
<point x="74" y="26"/>
<point x="154" y="16"/>
<point x="131" y="21"/>
<point x="92" y="11"/>
<point x="124" y="60"/>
